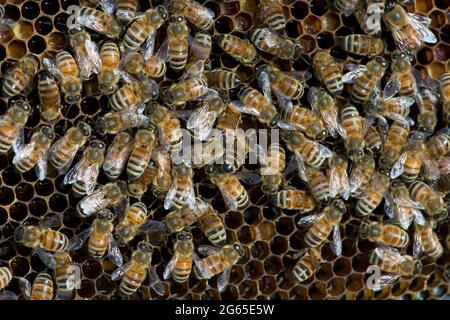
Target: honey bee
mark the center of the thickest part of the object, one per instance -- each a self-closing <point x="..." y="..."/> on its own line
<point x="176" y="221"/>
<point x="427" y="117"/>
<point x="99" y="21"/>
<point x="42" y="288"/>
<point x="353" y="125"/>
<point x="294" y="199"/>
<point x="317" y="182"/>
<point x="49" y="99"/>
<point x="222" y="79"/>
<point x="177" y="41"/>
<point x="5" y="278"/>
<point x="311" y="152"/>
<point x="361" y="44"/>
<point x="409" y="30"/>
<point x="345" y="6"/>
<point x="63" y="151"/>
<point x="287" y="84"/>
<point x="34" y="153"/>
<point x="230" y="119"/>
<point x="369" y="13"/>
<point x="140" y="154"/>
<point x="213" y="228"/>
<point x="144" y="27"/>
<point x="272" y="166"/>
<point x="101" y="238"/>
<point x="338" y="177"/>
<point x="396" y="138"/>
<point x="308" y="263"/>
<point x="273" y="14"/>
<point x="42" y="239"/>
<point x="135" y="271"/>
<point x="110" y="194"/>
<point x="303" y="119"/>
<point x="163" y="179"/>
<point x="219" y="260"/>
<point x="19" y="76"/>
<point x="108" y="64"/>
<point x="65" y="274"/>
<point x="126" y="10"/>
<point x="200" y="16"/>
<point x="430" y="199"/>
<point x="65" y="70"/>
<point x="201" y="46"/>
<point x="117" y="154"/>
<point x="272" y="43"/>
<point x="135" y="222"/>
<point x="394" y="265"/>
<point x="138" y="187"/>
<point x="83" y="48"/>
<point x="12" y="124"/>
<point x="136" y="63"/>
<point x="133" y="92"/>
<point x="399" y="206"/>
<point x="373" y="140"/>
<point x="384" y="234"/>
<point x="169" y="128"/>
<point x="444" y="85"/>
<point x="328" y="72"/>
<point x="241" y="50"/>
<point x="371" y="198"/>
<point x="361" y="174"/>
<point x="183" y="258"/>
<point x="426" y="241"/>
<point x="394" y="108"/>
<point x="438" y="145"/>
<point x="323" y="224"/>
<point x="6" y="27"/>
<point x="189" y="89"/>
<point x="181" y="191"/>
<point x="365" y="78"/>
<point x="83" y="176"/>
<point x="115" y="122"/>
<point x="323" y="104"/>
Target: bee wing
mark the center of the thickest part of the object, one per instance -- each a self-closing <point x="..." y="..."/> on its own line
<point x="392" y="87"/>
<point x="154" y="281"/>
<point x="108" y="6"/>
<point x="92" y="22"/>
<point x="240" y="107"/>
<point x="93" y="202"/>
<point x="119" y="272"/>
<point x="47" y="258"/>
<point x="7" y="295"/>
<point x="170" y="266"/>
<point x="19" y="141"/>
<point x="25" y="288"/>
<point x="200" y="265"/>
<point x="355" y="73"/>
<point x="51" y="67"/>
<point x="93" y="56"/>
<point x="417" y="245"/>
<point x="418" y="217"/>
<point x="323" y="151"/>
<point x="389" y="206"/>
<point x="291" y="167"/>
<point x="223" y="279"/>
<point x="151" y="226"/>
<point x="399" y="167"/>
<point x="73" y="173"/>
<point x="229" y="200"/>
<point x="163" y="51"/>
<point x="385" y="280"/>
<point x="52" y="221"/>
<point x="149" y="45"/>
<point x="202" y="121"/>
<point x="405" y="202"/>
<point x="334" y="181"/>
<point x="207" y="250"/>
<point x="345" y="184"/>
<point x="421" y="23"/>
<point x="205" y="12"/>
<point x="336" y="246"/>
<point x="249" y="178"/>
<point x="72" y="152"/>
<point x="77" y="241"/>
<point x="284" y="101"/>
<point x="301" y="168"/>
<point x="308" y="220"/>
<point x="431" y="171"/>
<point x="90" y="178"/>
<point x="114" y="162"/>
<point x="41" y="167"/>
<point x="287" y="125"/>
<point x="168" y="201"/>
<point x="264" y="84"/>
<point x="389" y="254"/>
<point x="114" y="253"/>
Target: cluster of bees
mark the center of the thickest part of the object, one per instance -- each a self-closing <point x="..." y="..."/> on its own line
<point x="365" y="147"/>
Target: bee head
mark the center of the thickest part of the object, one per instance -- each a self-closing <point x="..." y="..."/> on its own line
<point x="355" y="154"/>
<point x="364" y="230"/>
<point x="145" y="246"/>
<point x="240" y="250"/>
<point x="107" y="88"/>
<point x="85" y="129"/>
<point x="163" y="13"/>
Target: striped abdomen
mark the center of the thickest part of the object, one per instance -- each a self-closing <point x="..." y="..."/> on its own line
<point x="294" y="199"/>
<point x="137" y="214"/>
<point x="420" y="192"/>
<point x="182" y="269"/>
<point x="394" y="236"/>
<point x="8" y="133"/>
<point x="289" y="86"/>
<point x="5" y="277"/>
<point x="214" y="264"/>
<point x="154" y="67"/>
<point x="320" y="188"/>
<point x="311" y="155"/>
<point x="181" y="195"/>
<point x="136" y="34"/>
<point x="67" y="65"/>
<point x="368" y="202"/>
<point x="407" y="84"/>
<point x="332" y="78"/>
<point x="63" y="154"/>
<point x="29" y="162"/>
<point x="214" y="230"/>
<point x="123" y="98"/>
<point x="98" y="244"/>
<point x="42" y="287"/>
<point x="222" y="79"/>
<point x="49" y="97"/>
<point x="178" y="53"/>
<point x="54" y="241"/>
<point x="411" y="169"/>
<point x="318" y="232"/>
<point x="171" y="131"/>
<point x="138" y="161"/>
<point x="363" y="87"/>
<point x="438" y="146"/>
<point x="231" y="185"/>
<point x="304" y="269"/>
<point x="133" y="279"/>
<point x="14" y="82"/>
<point x="65" y="278"/>
<point x="273" y="14"/>
<point x="239" y="49"/>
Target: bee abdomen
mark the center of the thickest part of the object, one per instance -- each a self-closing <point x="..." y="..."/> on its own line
<point x="54" y="241"/>
<point x="182" y="269"/>
<point x="5" y="277"/>
<point x="302" y="271"/>
<point x="42" y="287"/>
<point x="368" y="203"/>
<point x="79" y="189"/>
<point x="132" y="281"/>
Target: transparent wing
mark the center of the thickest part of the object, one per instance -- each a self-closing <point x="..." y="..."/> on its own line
<point x="392" y="87"/>
<point x="418" y="217"/>
<point x="200" y="265"/>
<point x="223" y="279"/>
<point x="287" y="125"/>
<point x="354" y="74"/>
<point x="51" y="67"/>
<point x="163" y="51"/>
<point x="334" y="181"/>
<point x="301" y="168"/>
<point x="117" y="162"/>
<point x="19" y="141"/>
<point x="250" y="178"/>
<point x="24" y="152"/>
<point x="154" y="281"/>
<point x="7" y="295"/>
<point x="308" y="220"/>
<point x="385" y="280"/>
<point x="109" y="6"/>
<point x="114" y="253"/>
<point x="345" y="184"/>
<point x="41" y="167"/>
<point x="406" y="202"/>
<point x="264" y="84"/>
<point x="151" y="226"/>
<point x="94" y="202"/>
<point x="25" y="288"/>
<point x="74" y="173"/>
<point x="93" y="55"/>
<point x="431" y="170"/>
<point x="119" y="272"/>
<point x="170" y="266"/>
<point x="389" y="206"/>
<point x="389" y="254"/>
<point x="77" y="241"/>
<point x="207" y="250"/>
<point x="71" y="155"/>
<point x="47" y="258"/>
<point x="421" y="23"/>
<point x="323" y="151"/>
<point x="93" y="22"/>
<point x="52" y="221"/>
<point x="168" y="202"/>
<point x="417" y="245"/>
<point x="149" y="45"/>
<point x="240" y="107"/>
<point x="228" y="198"/>
<point x="202" y="121"/>
<point x="399" y="167"/>
<point x="336" y="245"/>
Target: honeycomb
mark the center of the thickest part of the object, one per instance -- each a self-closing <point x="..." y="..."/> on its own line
<point x="270" y="235"/>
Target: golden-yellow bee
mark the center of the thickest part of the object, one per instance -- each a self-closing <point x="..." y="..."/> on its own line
<point x="361" y="44"/>
<point x="201" y="47"/>
<point x="384" y="234"/>
<point x="176" y="221"/>
<point x="162" y="162"/>
<point x="371" y="198"/>
<point x="222" y="79"/>
<point x="394" y="108"/>
<point x="430" y="199"/>
<point x="219" y="260"/>
<point x="273" y="14"/>
<point x="135" y="222"/>
<point x="353" y="125"/>
<point x="241" y="50"/>
<point x="294" y="199"/>
<point x="42" y="288"/>
<point x="426" y="241"/>
<point x="99" y="21"/>
<point x="327" y="70"/>
<point x="309" y="261"/>
<point x="273" y="164"/>
<point x="427" y="117"/>
<point x="136" y="63"/>
<point x="338" y="176"/>
<point x="63" y="151"/>
<point x="361" y="174"/>
<point x="444" y="85"/>
<point x="135" y="271"/>
<point x="394" y="265"/>
<point x="369" y="13"/>
<point x="34" y="153"/>
<point x="140" y="154"/>
<point x="169" y="128"/>
<point x="213" y="228"/>
<point x="108" y="63"/>
<point x="275" y="44"/>
<point x="323" y="224"/>
<point x="20" y="75"/>
<point x="438" y="145"/>
<point x="42" y="239"/>
<point x="184" y="257"/>
<point x="396" y="138"/>
<point x="101" y="238"/>
<point x="84" y="49"/>
<point x="83" y="176"/>
<point x="303" y="119"/>
<point x="200" y="16"/>
<point x="288" y="84"/>
<point x="177" y="41"/>
<point x="65" y="275"/>
<point x="66" y="71"/>
<point x="133" y="92"/>
<point x="12" y="123"/>
<point x="49" y="98"/>
<point x="5" y="278"/>
<point x="409" y="30"/>
<point x="144" y="27"/>
<point x="126" y="10"/>
<point x="230" y="119"/>
<point x="117" y="154"/>
<point x="138" y="187"/>
<point x="365" y="78"/>
<point x="317" y="182"/>
<point x="110" y="194"/>
<point x="181" y="191"/>
<point x="373" y="140"/>
<point x="188" y="89"/>
<point x="114" y="122"/>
